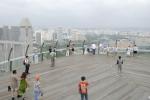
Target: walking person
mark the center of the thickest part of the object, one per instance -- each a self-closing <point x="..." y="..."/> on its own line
<point x="37" y="88"/>
<point x="53" y="56"/>
<point x="119" y="63"/>
<point x="22" y="86"/>
<point x="27" y="64"/>
<point x="83" y="88"/>
<point x="14" y="84"/>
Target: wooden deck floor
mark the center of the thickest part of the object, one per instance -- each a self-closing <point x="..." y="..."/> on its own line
<point x="61" y="82"/>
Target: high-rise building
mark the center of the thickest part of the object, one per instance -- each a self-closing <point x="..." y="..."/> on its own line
<point x="16" y="37"/>
<point x="38" y="38"/>
<point x="14" y="33"/>
<point x="26" y="34"/>
<point x="6" y="33"/>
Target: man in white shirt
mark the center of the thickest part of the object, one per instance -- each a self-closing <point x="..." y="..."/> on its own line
<point x="135" y="50"/>
<point x="93" y="48"/>
<point x="27" y="64"/>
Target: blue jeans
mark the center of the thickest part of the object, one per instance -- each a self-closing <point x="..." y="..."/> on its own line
<point x="36" y="95"/>
<point x="84" y="96"/>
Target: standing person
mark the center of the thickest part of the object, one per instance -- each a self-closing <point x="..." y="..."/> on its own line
<point x="23" y="85"/>
<point x="37" y="88"/>
<point x="27" y="64"/>
<point x="119" y="63"/>
<point x="72" y="50"/>
<point x="129" y="51"/>
<point x="108" y="49"/>
<point x="83" y="49"/>
<point x="53" y="56"/>
<point x="93" y="48"/>
<point x="83" y="88"/>
<point x="67" y="50"/>
<point x="50" y="49"/>
<point x="135" y="50"/>
<point x="14" y="84"/>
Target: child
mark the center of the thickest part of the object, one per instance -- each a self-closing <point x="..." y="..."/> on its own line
<point x="14" y="84"/>
<point x="37" y="89"/>
<point x="119" y="63"/>
<point x="83" y="85"/>
<point x="23" y="85"/>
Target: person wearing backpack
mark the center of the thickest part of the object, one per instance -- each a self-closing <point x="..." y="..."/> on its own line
<point x="37" y="88"/>
<point x="53" y="55"/>
<point x="119" y="63"/>
<point x="83" y="88"/>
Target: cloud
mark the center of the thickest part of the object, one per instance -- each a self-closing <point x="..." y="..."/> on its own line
<point x="96" y="13"/>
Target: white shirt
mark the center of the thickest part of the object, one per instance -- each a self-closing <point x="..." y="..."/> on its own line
<point x="100" y="45"/>
<point x="93" y="46"/>
<point x="37" y="86"/>
<point x="26" y="61"/>
<point x="135" y="48"/>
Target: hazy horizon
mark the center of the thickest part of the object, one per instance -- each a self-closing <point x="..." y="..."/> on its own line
<point x="77" y="13"/>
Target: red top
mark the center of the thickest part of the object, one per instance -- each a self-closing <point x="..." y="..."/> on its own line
<point x="83" y="87"/>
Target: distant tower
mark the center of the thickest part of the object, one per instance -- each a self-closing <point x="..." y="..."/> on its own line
<point x="26" y="34"/>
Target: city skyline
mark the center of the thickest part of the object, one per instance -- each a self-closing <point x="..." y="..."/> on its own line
<point x="77" y="13"/>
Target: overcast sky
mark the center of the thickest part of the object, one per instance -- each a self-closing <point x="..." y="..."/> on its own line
<point x="77" y="13"/>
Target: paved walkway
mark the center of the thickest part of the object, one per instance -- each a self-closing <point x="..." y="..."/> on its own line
<point x="61" y="82"/>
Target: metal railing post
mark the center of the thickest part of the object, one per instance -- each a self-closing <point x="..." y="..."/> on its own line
<point x="10" y="62"/>
<point x="83" y="47"/>
<point x="26" y="53"/>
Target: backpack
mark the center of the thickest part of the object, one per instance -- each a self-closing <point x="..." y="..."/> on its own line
<point x="119" y="61"/>
<point x="83" y="88"/>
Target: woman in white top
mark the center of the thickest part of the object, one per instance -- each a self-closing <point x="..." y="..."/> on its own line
<point x="129" y="49"/>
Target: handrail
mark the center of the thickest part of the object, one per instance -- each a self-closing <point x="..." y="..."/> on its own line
<point x="17" y="58"/>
